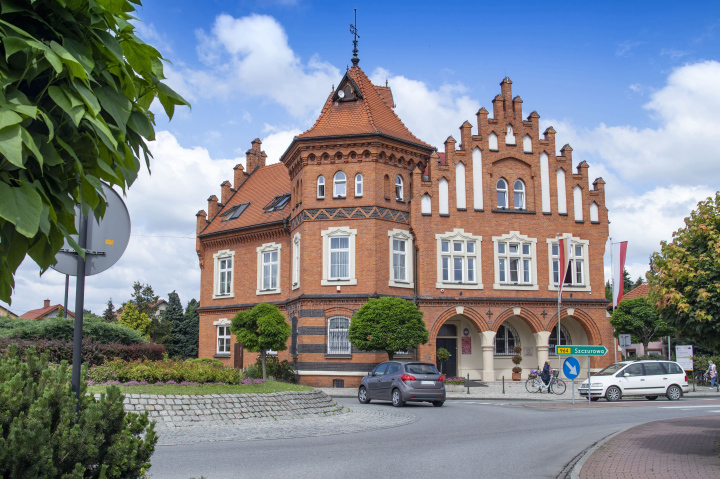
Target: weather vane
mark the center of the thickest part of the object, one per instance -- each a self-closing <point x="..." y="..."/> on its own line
<point x="353" y="30"/>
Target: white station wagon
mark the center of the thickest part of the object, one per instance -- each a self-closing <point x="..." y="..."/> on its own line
<point x="649" y="378"/>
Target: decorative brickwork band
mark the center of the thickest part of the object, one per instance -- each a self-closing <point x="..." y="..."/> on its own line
<point x="359" y="212"/>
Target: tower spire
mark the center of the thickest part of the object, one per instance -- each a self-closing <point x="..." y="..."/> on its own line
<point x="353" y="30"/>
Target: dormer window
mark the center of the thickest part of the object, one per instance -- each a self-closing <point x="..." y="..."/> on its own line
<point x="278" y="203"/>
<point x="235" y="211"/>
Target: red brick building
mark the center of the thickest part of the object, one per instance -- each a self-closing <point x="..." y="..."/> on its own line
<point x="359" y="207"/>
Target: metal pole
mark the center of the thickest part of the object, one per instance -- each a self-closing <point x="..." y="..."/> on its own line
<point x="79" y="305"/>
<point x="468" y="383"/>
<point x="573" y="390"/>
<point x="589" y="383"/>
<point x="503" y="384"/>
<point x="67" y="287"/>
<point x="669" y="350"/>
<point x="615" y="347"/>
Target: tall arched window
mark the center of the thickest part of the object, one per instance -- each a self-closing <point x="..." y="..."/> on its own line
<point x="398" y="188"/>
<point x="594" y="217"/>
<point x="477" y="179"/>
<point x="492" y="142"/>
<point x="527" y="144"/>
<point x="443" y="194"/>
<point x="545" y="181"/>
<point x="426" y="204"/>
<point x="552" y="340"/>
<point x="562" y="202"/>
<point x="577" y="200"/>
<point x="502" y="193"/>
<point x="339" y="186"/>
<point x="358" y="185"/>
<point x="321" y="187"/>
<point x="505" y="340"/>
<point x="460" y="186"/>
<point x="338" y="341"/>
<point x="519" y="190"/>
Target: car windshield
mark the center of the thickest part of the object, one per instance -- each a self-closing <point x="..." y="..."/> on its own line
<point x="421" y="369"/>
<point x="610" y="370"/>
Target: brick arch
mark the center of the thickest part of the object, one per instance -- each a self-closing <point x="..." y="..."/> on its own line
<point x="586" y="321"/>
<point x="475" y="318"/>
<point x="339" y="311"/>
<point x="526" y="315"/>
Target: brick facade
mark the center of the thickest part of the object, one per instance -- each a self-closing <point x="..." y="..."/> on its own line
<point x="341" y="140"/>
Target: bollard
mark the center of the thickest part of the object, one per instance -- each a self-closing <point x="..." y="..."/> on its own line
<point x="503" y="384"/>
<point x="468" y="383"/>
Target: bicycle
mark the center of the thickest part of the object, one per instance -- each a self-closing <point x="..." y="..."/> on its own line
<point x="702" y="378"/>
<point x="556" y="385"/>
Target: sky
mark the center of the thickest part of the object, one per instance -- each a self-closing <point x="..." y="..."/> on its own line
<point x="634" y="87"/>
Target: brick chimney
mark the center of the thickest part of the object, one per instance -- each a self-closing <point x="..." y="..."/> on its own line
<point x="566" y="152"/>
<point x="225" y="192"/>
<point x="482" y="117"/>
<point x="506" y="91"/>
<point x="465" y="135"/>
<point x="449" y="150"/>
<point x="47" y="303"/>
<point x="213" y="207"/>
<point x="517" y="106"/>
<point x="238" y="176"/>
<point x="254" y="157"/>
<point x="201" y="221"/>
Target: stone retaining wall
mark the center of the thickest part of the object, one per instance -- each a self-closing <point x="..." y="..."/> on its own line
<point x="186" y="410"/>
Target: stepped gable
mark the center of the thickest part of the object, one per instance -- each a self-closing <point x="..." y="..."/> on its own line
<point x="259" y="190"/>
<point x="367" y="111"/>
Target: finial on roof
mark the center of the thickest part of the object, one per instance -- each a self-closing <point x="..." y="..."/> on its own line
<point x="353" y="30"/>
<point x="386" y="84"/>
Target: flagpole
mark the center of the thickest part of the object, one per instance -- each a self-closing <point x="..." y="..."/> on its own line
<point x="612" y="295"/>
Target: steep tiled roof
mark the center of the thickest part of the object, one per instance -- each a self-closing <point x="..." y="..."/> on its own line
<point x="259" y="190"/>
<point x="371" y="113"/>
<point x="642" y="290"/>
<point x="43" y="312"/>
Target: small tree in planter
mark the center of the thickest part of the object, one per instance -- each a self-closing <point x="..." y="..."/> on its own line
<point x="442" y="355"/>
<point x="517" y="359"/>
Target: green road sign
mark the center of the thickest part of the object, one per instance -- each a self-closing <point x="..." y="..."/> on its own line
<point x="582" y="350"/>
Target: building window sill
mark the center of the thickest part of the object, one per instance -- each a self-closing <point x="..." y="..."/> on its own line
<point x="563" y="214"/>
<point x="480" y="210"/>
<point x="223" y="296"/>
<point x="513" y="211"/>
<point x="338" y="356"/>
<point x="445" y="215"/>
<point x="462" y="209"/>
<point x="267" y="291"/>
<point x="595" y="222"/>
<point x="222" y="355"/>
<point x="579" y="221"/>
<point x="426" y="214"/>
<point x="547" y="213"/>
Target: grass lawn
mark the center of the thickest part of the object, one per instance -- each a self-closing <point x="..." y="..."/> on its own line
<point x="267" y="387"/>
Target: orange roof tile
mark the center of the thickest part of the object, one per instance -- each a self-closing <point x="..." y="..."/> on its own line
<point x="371" y="113"/>
<point x="259" y="190"/>
<point x="42" y="312"/>
<point x="642" y="290"/>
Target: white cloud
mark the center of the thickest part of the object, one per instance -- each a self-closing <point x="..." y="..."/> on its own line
<point x="625" y="48"/>
<point x="673" y="53"/>
<point x="431" y="115"/>
<point x="276" y="143"/>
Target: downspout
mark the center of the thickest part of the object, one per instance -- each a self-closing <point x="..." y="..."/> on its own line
<point x="285" y="227"/>
<point x="415" y="286"/>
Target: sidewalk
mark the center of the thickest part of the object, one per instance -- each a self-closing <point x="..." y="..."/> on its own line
<point x="514" y="391"/>
<point x="672" y="448"/>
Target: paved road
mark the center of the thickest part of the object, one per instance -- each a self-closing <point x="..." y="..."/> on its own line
<point x="462" y="439"/>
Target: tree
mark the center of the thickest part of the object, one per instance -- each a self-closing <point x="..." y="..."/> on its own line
<point x="685" y="276"/>
<point x="638" y="282"/>
<point x="109" y="313"/>
<point x="608" y="290"/>
<point x="189" y="331"/>
<point x="77" y="86"/>
<point x="442" y="355"/>
<point x="172" y="318"/>
<point x="261" y="328"/>
<point x="638" y="318"/>
<point x="627" y="282"/>
<point x="388" y="324"/>
<point x="133" y="319"/>
<point x="145" y="299"/>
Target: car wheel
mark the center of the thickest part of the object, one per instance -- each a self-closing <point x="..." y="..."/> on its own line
<point x="674" y="393"/>
<point x="651" y="398"/>
<point x="363" y="395"/>
<point x="613" y="394"/>
<point x="397" y="398"/>
<point x="594" y="399"/>
<point x="438" y="403"/>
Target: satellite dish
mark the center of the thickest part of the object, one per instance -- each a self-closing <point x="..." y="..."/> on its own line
<point x="106" y="241"/>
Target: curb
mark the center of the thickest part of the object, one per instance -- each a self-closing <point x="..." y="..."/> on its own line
<point x="575" y="473"/>
<point x="471" y="398"/>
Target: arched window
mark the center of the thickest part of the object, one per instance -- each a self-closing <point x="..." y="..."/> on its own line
<point x="502" y="193"/>
<point x="443" y="194"/>
<point x="426" y="204"/>
<point x="460" y="186"/>
<point x="552" y="340"/>
<point x="492" y="142"/>
<point x="594" y="217"/>
<point x="505" y="340"/>
<point x="577" y="200"/>
<point x="338" y="341"/>
<point x="358" y="185"/>
<point x="477" y="179"/>
<point x="561" y="197"/>
<point x="339" y="187"/>
<point x="398" y="188"/>
<point x="527" y="144"/>
<point x="519" y="189"/>
<point x="321" y="187"/>
<point x="545" y="181"/>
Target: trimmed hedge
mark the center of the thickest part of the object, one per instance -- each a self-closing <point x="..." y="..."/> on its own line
<point x="62" y="328"/>
<point x="93" y="352"/>
<point x="163" y="371"/>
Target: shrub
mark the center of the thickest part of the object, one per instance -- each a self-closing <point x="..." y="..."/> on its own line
<point x="62" y="328"/>
<point x="92" y="351"/>
<point x="253" y="371"/>
<point x="213" y="361"/>
<point x="163" y="371"/>
<point x="45" y="432"/>
<point x="460" y="381"/>
<point x="517" y="369"/>
<point x="279" y="370"/>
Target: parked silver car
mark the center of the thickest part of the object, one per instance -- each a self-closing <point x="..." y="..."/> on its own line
<point x="400" y="382"/>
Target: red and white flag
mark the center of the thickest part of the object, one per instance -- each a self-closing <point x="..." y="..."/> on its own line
<point x="618" y="266"/>
<point x="563" y="263"/>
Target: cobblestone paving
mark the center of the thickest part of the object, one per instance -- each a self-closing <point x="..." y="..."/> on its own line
<point x="348" y="420"/>
<point x="673" y="448"/>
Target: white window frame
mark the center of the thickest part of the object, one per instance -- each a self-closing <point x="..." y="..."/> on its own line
<point x="338" y="181"/>
<point x="520" y="239"/>
<point x="460" y="195"/>
<point x="296" y="261"/>
<point x="358" y="185"/>
<point x="527" y="144"/>
<point x="222" y="255"/>
<point x="266" y="248"/>
<point x="223" y="323"/>
<point x="594" y="213"/>
<point x="517" y="191"/>
<point x="444" y="202"/>
<point x="426" y="204"/>
<point x="320" y="183"/>
<point x="578" y="202"/>
<point x="493" y="141"/>
<point x="575" y="286"/>
<point x="399" y="190"/>
<point x="459" y="234"/>
<point x="345" y="351"/>
<point x="326" y="235"/>
<point x="508" y="352"/>
<point x="505" y="193"/>
<point x="403" y="235"/>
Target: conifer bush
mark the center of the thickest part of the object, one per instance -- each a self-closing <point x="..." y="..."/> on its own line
<point x="45" y="433"/>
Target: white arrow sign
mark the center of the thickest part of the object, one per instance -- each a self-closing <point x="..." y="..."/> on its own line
<point x="572" y="370"/>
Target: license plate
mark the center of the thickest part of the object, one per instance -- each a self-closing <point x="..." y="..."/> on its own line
<point x="427" y="382"/>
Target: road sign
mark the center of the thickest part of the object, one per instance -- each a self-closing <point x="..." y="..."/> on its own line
<point x="684" y="357"/>
<point x="624" y="340"/>
<point x="581" y="350"/>
<point x="571" y="368"/>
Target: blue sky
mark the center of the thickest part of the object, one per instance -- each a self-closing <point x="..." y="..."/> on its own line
<point x="632" y="86"/>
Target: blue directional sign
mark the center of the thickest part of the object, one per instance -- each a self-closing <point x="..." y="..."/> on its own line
<point x="571" y="368"/>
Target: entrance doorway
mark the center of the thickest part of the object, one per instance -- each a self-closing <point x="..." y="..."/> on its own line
<point x="449" y="367"/>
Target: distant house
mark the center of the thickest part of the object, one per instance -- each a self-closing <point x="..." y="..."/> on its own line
<point x="6" y="312"/>
<point x="161" y="305"/>
<point x="47" y="311"/>
<point x="655" y="348"/>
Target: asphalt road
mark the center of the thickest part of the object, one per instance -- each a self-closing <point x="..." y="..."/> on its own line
<point x="483" y="439"/>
